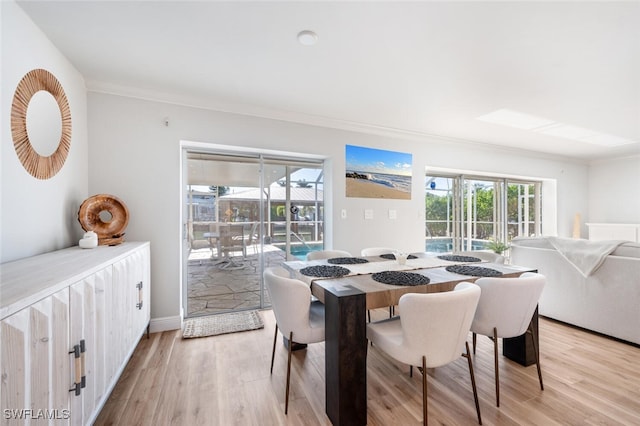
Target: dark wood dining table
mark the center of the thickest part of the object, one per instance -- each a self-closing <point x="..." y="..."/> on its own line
<point x="347" y="299"/>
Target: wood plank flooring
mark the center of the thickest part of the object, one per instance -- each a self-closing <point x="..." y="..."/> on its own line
<point x="225" y="380"/>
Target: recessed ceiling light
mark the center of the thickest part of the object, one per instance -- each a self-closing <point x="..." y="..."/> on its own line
<point x="307" y="38"/>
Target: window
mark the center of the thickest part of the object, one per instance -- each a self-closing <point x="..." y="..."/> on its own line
<point x="464" y="212"/>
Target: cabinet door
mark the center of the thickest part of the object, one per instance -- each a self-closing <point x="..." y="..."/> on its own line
<point x="131" y="303"/>
<point x="35" y="363"/>
<point x="88" y="307"/>
<point x="143" y="287"/>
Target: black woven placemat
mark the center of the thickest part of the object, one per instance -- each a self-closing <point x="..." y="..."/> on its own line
<point x="325" y="271"/>
<point x="392" y="256"/>
<point x="400" y="278"/>
<point x="346" y="260"/>
<point x="476" y="271"/>
<point x="459" y="258"/>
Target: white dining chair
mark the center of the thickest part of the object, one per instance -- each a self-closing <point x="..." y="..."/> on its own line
<point x="505" y="310"/>
<point x="430" y="332"/>
<point x="327" y="254"/>
<point x="377" y="251"/>
<point x="487" y="256"/>
<point x="298" y="318"/>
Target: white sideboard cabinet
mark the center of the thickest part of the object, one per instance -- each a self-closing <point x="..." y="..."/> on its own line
<point x="69" y="321"/>
<point x="614" y="231"/>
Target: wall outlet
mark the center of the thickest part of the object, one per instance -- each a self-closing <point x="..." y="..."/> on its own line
<point x="393" y="214"/>
<point x="368" y="214"/>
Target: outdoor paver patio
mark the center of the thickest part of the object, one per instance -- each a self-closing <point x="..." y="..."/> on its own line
<point x="213" y="290"/>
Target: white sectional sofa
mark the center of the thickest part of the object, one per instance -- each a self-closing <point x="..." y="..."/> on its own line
<point x="605" y="300"/>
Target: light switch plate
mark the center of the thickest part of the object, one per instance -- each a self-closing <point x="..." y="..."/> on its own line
<point x="368" y="214"/>
<point x="343" y="213"/>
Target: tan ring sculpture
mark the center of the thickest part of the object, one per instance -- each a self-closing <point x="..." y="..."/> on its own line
<point x="110" y="232"/>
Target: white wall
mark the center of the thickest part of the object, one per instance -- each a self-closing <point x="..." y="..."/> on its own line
<point x="38" y="216"/>
<point x="131" y="153"/>
<point x="614" y="191"/>
<point x="134" y="156"/>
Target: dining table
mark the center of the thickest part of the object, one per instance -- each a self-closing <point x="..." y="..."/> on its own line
<point x="349" y="292"/>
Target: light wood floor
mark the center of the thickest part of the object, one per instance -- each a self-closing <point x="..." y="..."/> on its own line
<point x="224" y="380"/>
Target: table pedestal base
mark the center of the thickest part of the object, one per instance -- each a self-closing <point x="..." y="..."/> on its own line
<point x="346" y="357"/>
<point x="520" y="349"/>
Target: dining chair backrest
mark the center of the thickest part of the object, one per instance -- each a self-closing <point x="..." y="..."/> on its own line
<point x="507" y="304"/>
<point x="327" y="254"/>
<point x="377" y="251"/>
<point x="436" y="325"/>
<point x="291" y="302"/>
<point x="487" y="256"/>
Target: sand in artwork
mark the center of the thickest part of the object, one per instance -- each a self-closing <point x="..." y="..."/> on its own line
<point x="377" y="173"/>
<point x="368" y="189"/>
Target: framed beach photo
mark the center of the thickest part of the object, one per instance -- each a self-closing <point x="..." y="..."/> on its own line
<point x="377" y="173"/>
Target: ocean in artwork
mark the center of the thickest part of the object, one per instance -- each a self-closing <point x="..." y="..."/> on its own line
<point x="399" y="182"/>
<point x="377" y="173"/>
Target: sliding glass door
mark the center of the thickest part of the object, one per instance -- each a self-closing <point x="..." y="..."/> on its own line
<point x="295" y="207"/>
<point x="243" y="213"/>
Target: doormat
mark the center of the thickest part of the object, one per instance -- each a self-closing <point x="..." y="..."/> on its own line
<point x="213" y="325"/>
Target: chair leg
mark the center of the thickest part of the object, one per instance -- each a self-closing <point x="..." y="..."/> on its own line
<point x="411" y="371"/>
<point x="286" y="402"/>
<point x="273" y="352"/>
<point x="424" y="391"/>
<point x="369" y="314"/>
<point x="474" y="336"/>
<point x="535" y="351"/>
<point x="473" y="382"/>
<point x="495" y="365"/>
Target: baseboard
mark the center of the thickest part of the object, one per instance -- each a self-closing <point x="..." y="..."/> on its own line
<point x="164" y="324"/>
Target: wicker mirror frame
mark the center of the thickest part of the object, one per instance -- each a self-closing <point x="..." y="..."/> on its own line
<point x="39" y="166"/>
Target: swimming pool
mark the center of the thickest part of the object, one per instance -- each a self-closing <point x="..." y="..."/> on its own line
<point x="435" y="245"/>
<point x="443" y="245"/>
<point x="299" y="250"/>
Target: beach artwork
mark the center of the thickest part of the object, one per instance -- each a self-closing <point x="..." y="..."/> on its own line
<point x="376" y="173"/>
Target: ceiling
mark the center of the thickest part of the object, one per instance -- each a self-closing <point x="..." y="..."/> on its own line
<point x="419" y="69"/>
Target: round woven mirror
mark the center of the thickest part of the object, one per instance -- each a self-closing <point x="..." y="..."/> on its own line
<point x="38" y="165"/>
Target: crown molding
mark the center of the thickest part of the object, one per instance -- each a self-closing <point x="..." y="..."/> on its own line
<point x="201" y="102"/>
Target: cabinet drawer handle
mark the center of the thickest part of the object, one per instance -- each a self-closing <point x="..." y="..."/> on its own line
<point x="83" y="379"/>
<point x="77" y="383"/>
<point x="139" y="304"/>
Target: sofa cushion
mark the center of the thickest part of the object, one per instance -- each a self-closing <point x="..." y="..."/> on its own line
<point x="629" y="249"/>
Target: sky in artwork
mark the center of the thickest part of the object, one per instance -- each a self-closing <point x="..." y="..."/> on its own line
<point x="372" y="160"/>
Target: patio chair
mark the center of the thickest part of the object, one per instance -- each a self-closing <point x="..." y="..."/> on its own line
<point x="232" y="240"/>
<point x="252" y="237"/>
